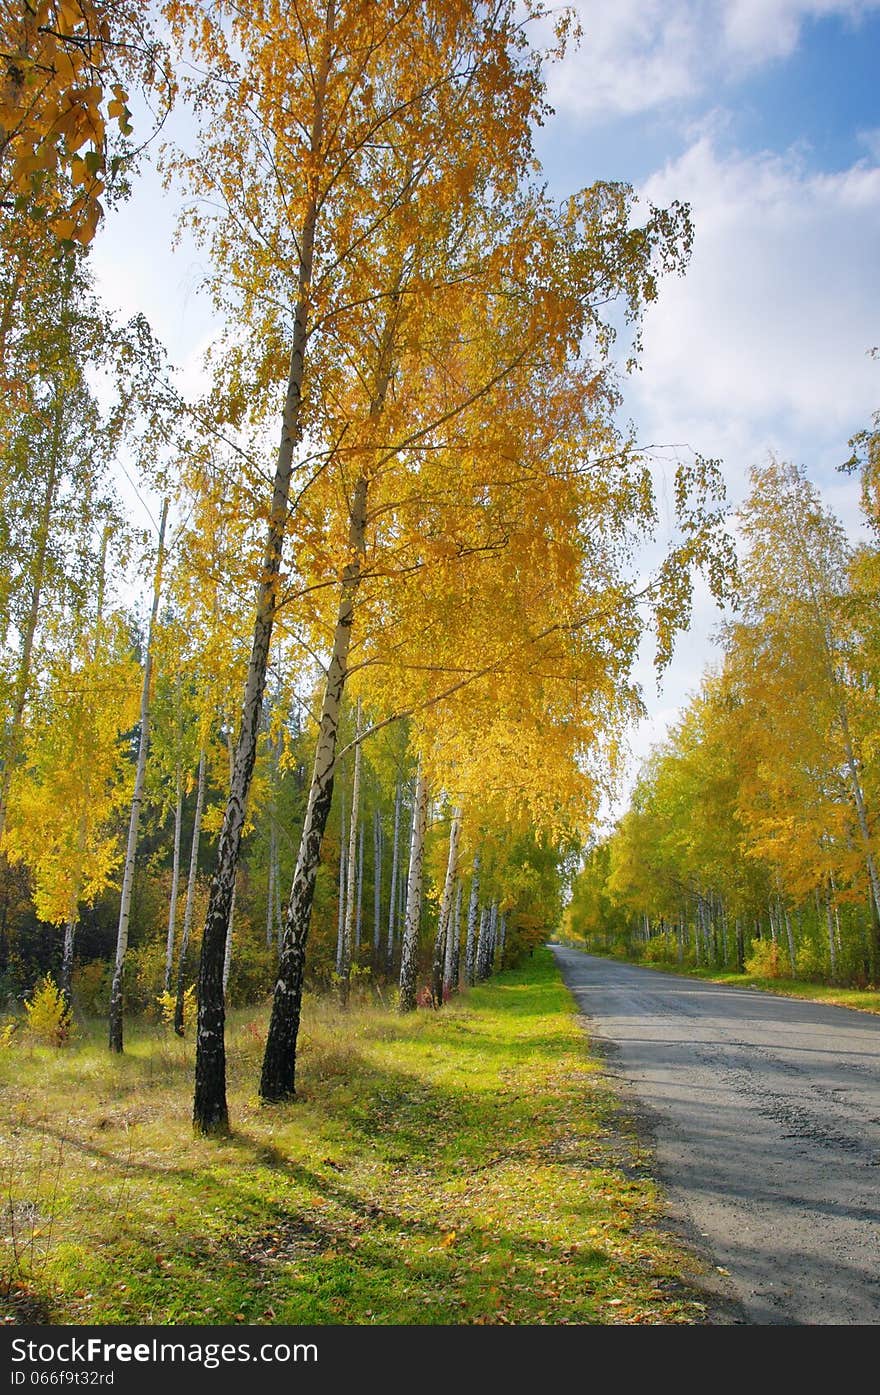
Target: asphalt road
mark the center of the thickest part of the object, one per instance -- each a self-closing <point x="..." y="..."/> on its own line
<point x="764" y="1114"/>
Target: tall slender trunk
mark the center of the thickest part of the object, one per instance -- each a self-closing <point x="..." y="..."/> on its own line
<point x="470" y="951"/>
<point x="455" y="947"/>
<point x="502" y="939"/>
<point x="409" y="955"/>
<point x="377" y="887"/>
<point x="443" y="919"/>
<point x="482" y="945"/>
<point x="175" y="877"/>
<point x="358" y="917"/>
<point x="115" y="1036"/>
<point x="278" y="1078"/>
<point x="270" y="890"/>
<point x="392" y="899"/>
<point x="190" y="894"/>
<point x="340" y="916"/>
<point x="227" y="957"/>
<point x="832" y="947"/>
<point x="210" y="1110"/>
<point x="348" y="928"/>
<point x="740" y="947"/>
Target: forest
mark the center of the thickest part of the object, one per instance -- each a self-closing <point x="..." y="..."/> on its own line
<point x="750" y="840"/>
<point x="315" y="679"/>
<point x="363" y="680"/>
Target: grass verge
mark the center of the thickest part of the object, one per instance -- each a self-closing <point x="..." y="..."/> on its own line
<point x="459" y="1167"/>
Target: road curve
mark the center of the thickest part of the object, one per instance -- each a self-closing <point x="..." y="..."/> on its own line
<point x="765" y="1117"/>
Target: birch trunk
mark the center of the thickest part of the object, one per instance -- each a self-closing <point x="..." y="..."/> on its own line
<point x="443" y="920"/>
<point x="502" y="939"/>
<point x="175" y="879"/>
<point x="210" y="1110"/>
<point x="270" y="890"/>
<point x="358" y="916"/>
<point x="832" y="947"/>
<point x="351" y="863"/>
<point x="740" y="947"/>
<point x="340" y="919"/>
<point x="190" y="895"/>
<point x="227" y="957"/>
<point x="470" y="950"/>
<point x="392" y="900"/>
<point x="482" y="940"/>
<point x="278" y="1077"/>
<point x="409" y="953"/>
<point x="377" y="887"/>
<point x="450" y="967"/>
<point x="115" y="1040"/>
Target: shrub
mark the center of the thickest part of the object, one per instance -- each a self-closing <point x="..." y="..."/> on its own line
<point x="763" y="961"/>
<point x="810" y="959"/>
<point x="48" y="1013"/>
<point x="661" y="949"/>
<point x="168" y="1004"/>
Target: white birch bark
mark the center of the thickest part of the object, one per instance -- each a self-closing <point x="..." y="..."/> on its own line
<point x="340" y="919"/>
<point x="454" y="944"/>
<point x="482" y="944"/>
<point x="443" y="920"/>
<point x="351" y="862"/>
<point x="392" y="899"/>
<point x="410" y="947"/>
<point x="175" y="878"/>
<point x="358" y="915"/>
<point x="377" y="886"/>
<point x="189" y="904"/>
<point x="470" y="953"/>
<point x="115" y="1038"/>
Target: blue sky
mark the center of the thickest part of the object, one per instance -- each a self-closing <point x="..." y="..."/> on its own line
<point x="765" y="116"/>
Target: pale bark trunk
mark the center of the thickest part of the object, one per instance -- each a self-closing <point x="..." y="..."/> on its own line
<point x="351" y="862"/>
<point x="456" y="940"/>
<point x="392" y="900"/>
<point x="443" y="920"/>
<point x="358" y="918"/>
<point x="175" y="879"/>
<point x="377" y="887"/>
<point x="340" y="916"/>
<point x="832" y="947"/>
<point x="190" y="895"/>
<point x="409" y="955"/>
<point x="470" y="952"/>
<point x="227" y="957"/>
<point x="270" y="890"/>
<point x="482" y="939"/>
<point x="740" y="947"/>
<point x="278" y="1078"/>
<point x="210" y="1111"/>
<point x="502" y="939"/>
<point x="115" y="1036"/>
<point x="450" y="967"/>
<point x="67" y="954"/>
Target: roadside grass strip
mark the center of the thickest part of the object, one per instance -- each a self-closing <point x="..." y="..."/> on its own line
<point x="466" y="1166"/>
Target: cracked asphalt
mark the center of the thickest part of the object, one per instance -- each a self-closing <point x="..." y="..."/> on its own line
<point x="764" y="1116"/>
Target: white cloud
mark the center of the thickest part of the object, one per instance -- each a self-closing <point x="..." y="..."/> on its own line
<point x="638" y="55"/>
<point x="763" y="344"/>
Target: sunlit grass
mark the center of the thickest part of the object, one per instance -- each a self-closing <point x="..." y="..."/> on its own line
<point x="458" y="1167"/>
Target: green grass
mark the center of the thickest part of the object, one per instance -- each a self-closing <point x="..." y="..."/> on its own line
<point x="459" y="1167"/>
<point x="864" y="999"/>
